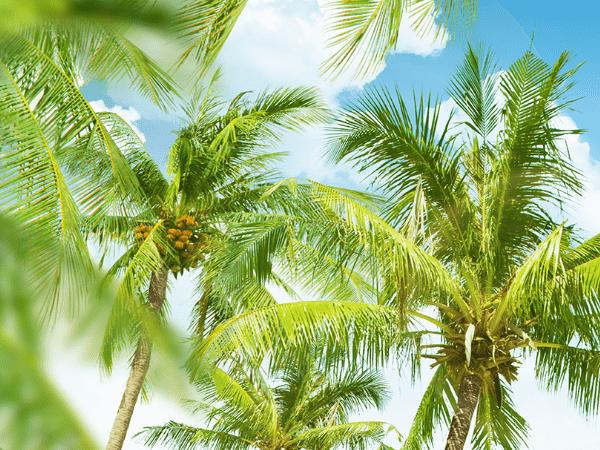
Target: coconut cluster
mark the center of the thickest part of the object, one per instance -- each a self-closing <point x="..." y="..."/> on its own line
<point x="185" y="239"/>
<point x="141" y="232"/>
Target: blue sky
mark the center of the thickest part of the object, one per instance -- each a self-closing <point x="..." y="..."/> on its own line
<point x="277" y="42"/>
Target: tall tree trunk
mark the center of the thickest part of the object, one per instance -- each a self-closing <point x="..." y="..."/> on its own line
<point x="468" y="394"/>
<point x="139" y="365"/>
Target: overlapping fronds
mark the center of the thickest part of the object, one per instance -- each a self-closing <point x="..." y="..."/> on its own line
<point x="578" y="368"/>
<point x="33" y="410"/>
<point x="354" y="435"/>
<point x="95" y="49"/>
<point x="355" y="328"/>
<point x="479" y="203"/>
<point x="129" y="311"/>
<point x="433" y="411"/>
<point x="184" y="437"/>
<point x="362" y="34"/>
<point x="33" y="186"/>
<point x="499" y="426"/>
<point x="530" y="171"/>
<point x="410" y="154"/>
<point x="220" y="159"/>
<point x="298" y="405"/>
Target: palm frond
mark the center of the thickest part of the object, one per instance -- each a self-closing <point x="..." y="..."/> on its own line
<point x="432" y="411"/>
<point x="579" y="368"/>
<point x="530" y="171"/>
<point x="33" y="186"/>
<point x="184" y="437"/>
<point x="499" y="426"/>
<point x="353" y="435"/>
<point x="205" y="25"/>
<point x="362" y="34"/>
<point x="354" y="327"/>
<point x="473" y="88"/>
<point x="95" y="49"/>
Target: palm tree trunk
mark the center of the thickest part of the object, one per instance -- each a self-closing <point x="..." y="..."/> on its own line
<point x="139" y="365"/>
<point x="468" y="394"/>
<point x="204" y="300"/>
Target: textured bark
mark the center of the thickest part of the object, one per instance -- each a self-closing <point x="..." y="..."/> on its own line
<point x="139" y="366"/>
<point x="468" y="394"/>
<point x="200" y="326"/>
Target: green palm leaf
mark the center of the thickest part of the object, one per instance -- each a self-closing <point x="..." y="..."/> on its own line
<point x="184" y="437"/>
<point x="499" y="427"/>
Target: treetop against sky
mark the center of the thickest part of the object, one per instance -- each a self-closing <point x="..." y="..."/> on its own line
<point x="278" y="43"/>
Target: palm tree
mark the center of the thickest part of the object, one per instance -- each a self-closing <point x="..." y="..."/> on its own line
<point x="479" y="202"/>
<point x="217" y="166"/>
<point x="46" y="121"/>
<point x="47" y="52"/>
<point x="296" y="407"/>
<point x="468" y="246"/>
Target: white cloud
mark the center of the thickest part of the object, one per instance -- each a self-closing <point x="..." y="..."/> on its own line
<point x="129" y="115"/>
<point x="282" y="42"/>
<point x="585" y="214"/>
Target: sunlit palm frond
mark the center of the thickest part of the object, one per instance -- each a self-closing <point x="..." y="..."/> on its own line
<point x="33" y="185"/>
<point x="362" y="34"/>
<point x="353" y="435"/>
<point x="578" y="368"/>
<point x="356" y="328"/>
<point x="206" y="24"/>
<point x="499" y="426"/>
<point x="433" y="410"/>
<point x="183" y="437"/>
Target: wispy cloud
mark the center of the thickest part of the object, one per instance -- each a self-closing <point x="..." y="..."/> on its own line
<point x="129" y="115"/>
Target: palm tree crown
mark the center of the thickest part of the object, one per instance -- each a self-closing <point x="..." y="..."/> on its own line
<point x="305" y="409"/>
<point x="479" y="202"/>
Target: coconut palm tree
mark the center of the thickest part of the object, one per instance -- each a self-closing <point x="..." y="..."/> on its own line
<point x="480" y="203"/>
<point x="45" y="121"/>
<point x="297" y="407"/>
<point x="217" y="166"/>
<point x="468" y="253"/>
